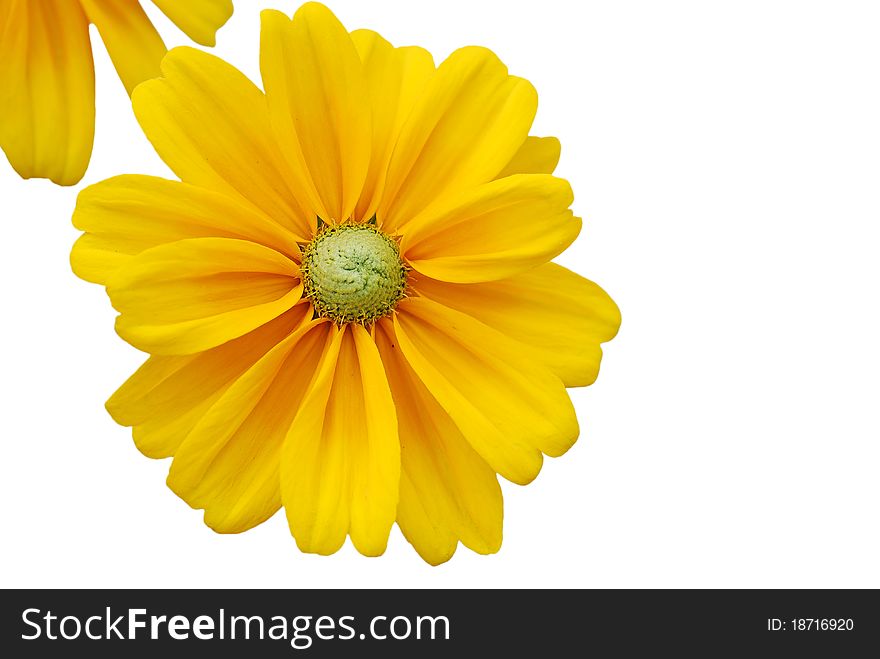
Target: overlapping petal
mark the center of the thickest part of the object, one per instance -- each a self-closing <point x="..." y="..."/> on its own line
<point x="195" y="294"/>
<point x="561" y="317"/>
<point x="466" y="126"/>
<point x="126" y="215"/>
<point x="229" y="463"/>
<point x="319" y="105"/>
<point x="537" y="155"/>
<point x="167" y="396"/>
<point x="210" y="124"/>
<point x="510" y="407"/>
<point x="341" y="461"/>
<point x="199" y="19"/>
<point x="47" y="89"/>
<point x="396" y="77"/>
<point x="493" y="231"/>
<point x="132" y="41"/>
<point x="447" y="491"/>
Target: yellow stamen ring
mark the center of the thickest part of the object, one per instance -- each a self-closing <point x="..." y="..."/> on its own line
<point x="353" y="273"/>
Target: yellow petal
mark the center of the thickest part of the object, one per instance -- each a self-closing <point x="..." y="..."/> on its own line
<point x="493" y="231"/>
<point x="396" y="78"/>
<point x="125" y="215"/>
<point x="132" y="42"/>
<point x="561" y="317"/>
<point x="468" y="124"/>
<point x="447" y="491"/>
<point x="319" y="103"/>
<point x="229" y="463"/>
<point x="167" y="396"/>
<point x="509" y="407"/>
<point x="195" y="294"/>
<point x="340" y="467"/>
<point x="47" y="89"/>
<point x="537" y="155"/>
<point x="200" y="19"/>
<point x="210" y="124"/>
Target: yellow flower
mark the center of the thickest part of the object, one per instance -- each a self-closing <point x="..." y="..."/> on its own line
<point x="347" y="298"/>
<point x="47" y="80"/>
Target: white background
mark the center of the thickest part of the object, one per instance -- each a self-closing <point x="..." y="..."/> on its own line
<point x="726" y="159"/>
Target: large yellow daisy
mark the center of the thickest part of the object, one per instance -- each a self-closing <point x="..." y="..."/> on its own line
<point x="347" y="298"/>
<point x="47" y="79"/>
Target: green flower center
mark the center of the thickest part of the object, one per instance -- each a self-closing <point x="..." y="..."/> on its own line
<point x="353" y="273"/>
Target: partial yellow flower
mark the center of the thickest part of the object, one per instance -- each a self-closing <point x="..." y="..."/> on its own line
<point x="47" y="79"/>
<point x="348" y="297"/>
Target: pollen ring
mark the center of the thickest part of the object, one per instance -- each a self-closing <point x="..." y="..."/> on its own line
<point x="353" y="273"/>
